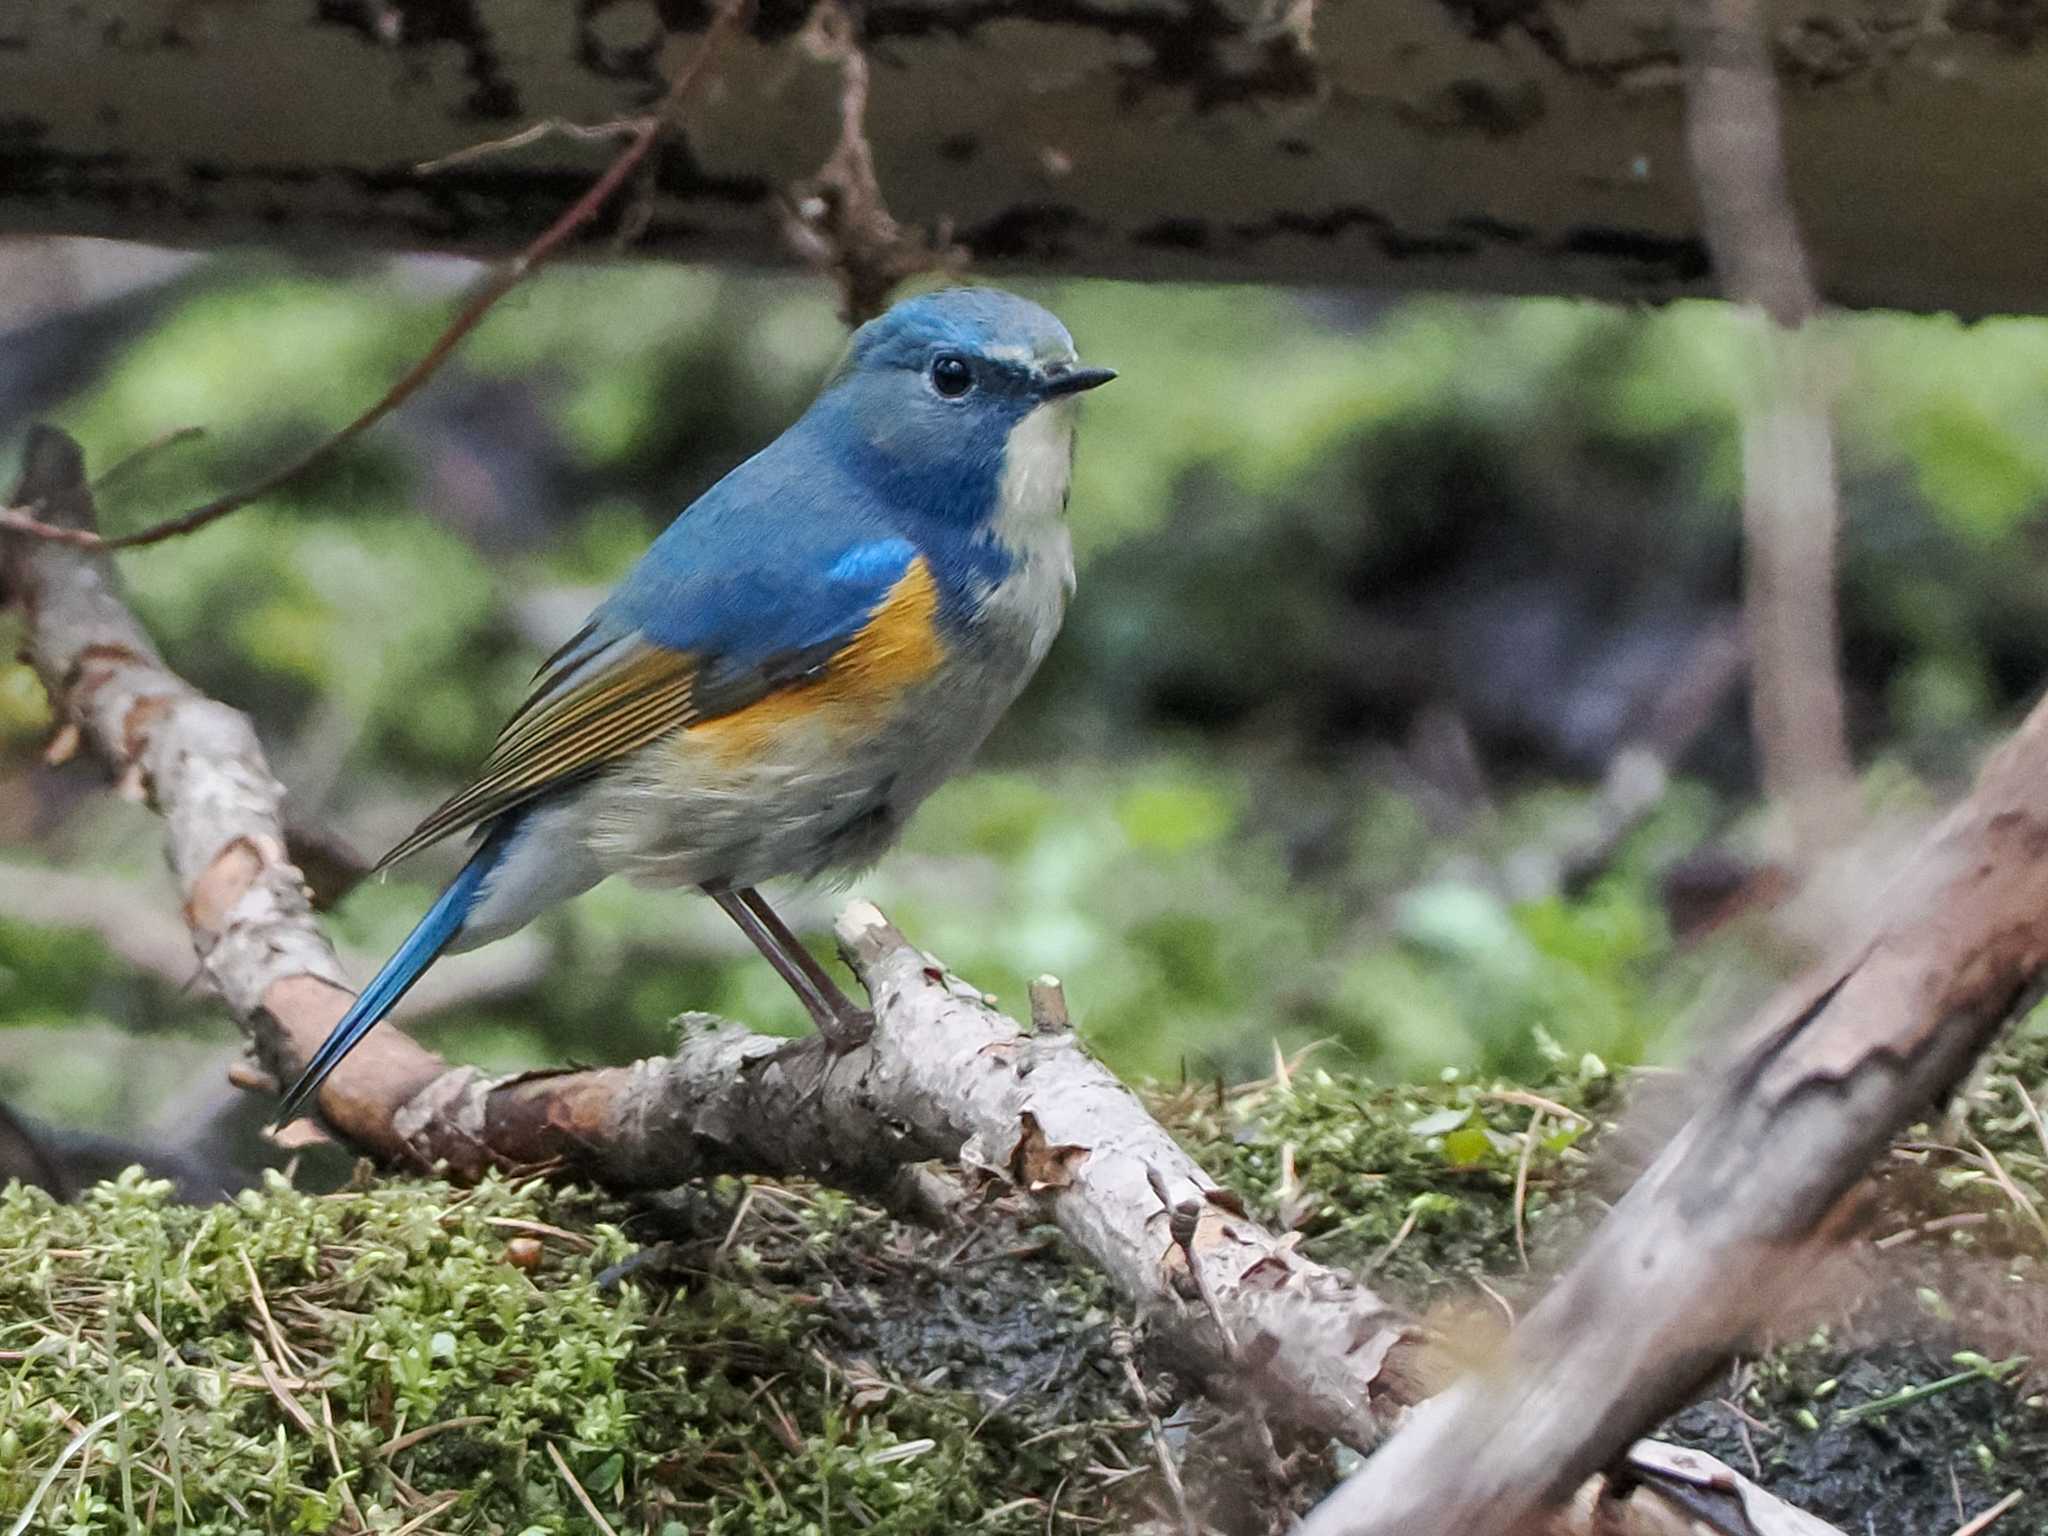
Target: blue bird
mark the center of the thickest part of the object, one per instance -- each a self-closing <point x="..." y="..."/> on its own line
<point x="801" y="657"/>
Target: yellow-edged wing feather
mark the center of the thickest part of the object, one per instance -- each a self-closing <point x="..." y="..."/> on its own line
<point x="567" y="728"/>
<point x="596" y="701"/>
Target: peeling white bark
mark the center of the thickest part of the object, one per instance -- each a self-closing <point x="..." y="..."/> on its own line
<point x="197" y="761"/>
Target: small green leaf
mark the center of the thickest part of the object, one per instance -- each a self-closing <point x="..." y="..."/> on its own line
<point x="1468" y="1146"/>
<point x="317" y="1511"/>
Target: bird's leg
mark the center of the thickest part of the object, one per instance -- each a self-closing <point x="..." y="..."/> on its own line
<point x="843" y="1024"/>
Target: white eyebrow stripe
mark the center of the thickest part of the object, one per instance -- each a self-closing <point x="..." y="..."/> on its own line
<point x="1011" y="352"/>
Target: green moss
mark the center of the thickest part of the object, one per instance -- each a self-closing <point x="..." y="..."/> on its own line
<point x="1414" y="1184"/>
<point x="778" y="1359"/>
<point x="723" y="1403"/>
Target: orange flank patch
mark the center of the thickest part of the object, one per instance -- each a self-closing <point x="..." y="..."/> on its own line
<point x="899" y="648"/>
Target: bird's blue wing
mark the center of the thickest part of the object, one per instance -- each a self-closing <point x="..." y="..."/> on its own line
<point x="703" y="626"/>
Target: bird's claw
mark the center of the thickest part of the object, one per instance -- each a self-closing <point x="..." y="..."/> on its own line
<point x="846" y="1029"/>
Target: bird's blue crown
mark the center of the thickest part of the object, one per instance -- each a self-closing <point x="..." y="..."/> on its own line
<point x="999" y="328"/>
<point x="921" y="408"/>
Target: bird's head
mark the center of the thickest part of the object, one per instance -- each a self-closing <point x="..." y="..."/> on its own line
<point x="938" y="398"/>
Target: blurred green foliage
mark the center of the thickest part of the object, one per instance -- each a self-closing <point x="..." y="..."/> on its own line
<point x="1194" y="818"/>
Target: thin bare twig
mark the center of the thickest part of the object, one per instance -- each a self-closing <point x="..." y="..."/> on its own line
<point x="77" y="1443"/>
<point x="1991" y="1516"/>
<point x="284" y="1351"/>
<point x="1184" y="1226"/>
<point x="436" y="1507"/>
<point x="589" y="1508"/>
<point x="1125" y="1350"/>
<point x="1522" y="1184"/>
<point x="278" y="1388"/>
<point x="2021" y="1201"/>
<point x="501" y="281"/>
<point x="2034" y="1115"/>
<point x="1049" y="1006"/>
<point x="413" y="1437"/>
<point x="1528" y="1100"/>
<point x="1401" y="1233"/>
<point x="588" y="133"/>
<point x="838" y="220"/>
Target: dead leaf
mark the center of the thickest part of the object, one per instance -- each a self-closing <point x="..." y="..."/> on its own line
<point x="300" y="1133"/>
<point x="1226" y="1198"/>
<point x="1039" y="1165"/>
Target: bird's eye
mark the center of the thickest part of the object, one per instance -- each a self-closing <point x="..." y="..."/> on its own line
<point x="951" y="376"/>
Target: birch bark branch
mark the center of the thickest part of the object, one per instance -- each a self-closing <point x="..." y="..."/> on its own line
<point x="1497" y="147"/>
<point x="944" y="1075"/>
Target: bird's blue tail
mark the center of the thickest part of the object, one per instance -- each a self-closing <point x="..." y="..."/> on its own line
<point x="433" y="934"/>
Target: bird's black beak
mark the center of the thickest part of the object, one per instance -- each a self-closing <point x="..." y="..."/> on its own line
<point x="1071" y="381"/>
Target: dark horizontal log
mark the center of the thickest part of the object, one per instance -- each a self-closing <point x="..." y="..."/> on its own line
<point x="1498" y="145"/>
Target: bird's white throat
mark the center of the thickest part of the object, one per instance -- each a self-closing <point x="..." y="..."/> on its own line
<point x="1030" y="523"/>
<point x="1038" y="465"/>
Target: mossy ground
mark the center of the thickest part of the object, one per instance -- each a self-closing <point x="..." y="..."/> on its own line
<point x="778" y="1360"/>
<point x="751" y="1386"/>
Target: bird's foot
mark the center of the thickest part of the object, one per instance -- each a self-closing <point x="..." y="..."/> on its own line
<point x="844" y="1026"/>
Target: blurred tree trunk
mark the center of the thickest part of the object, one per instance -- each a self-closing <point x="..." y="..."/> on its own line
<point x="1791" y="511"/>
<point x="1509" y="145"/>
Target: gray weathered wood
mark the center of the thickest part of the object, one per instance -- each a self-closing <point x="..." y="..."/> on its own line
<point x="1523" y="146"/>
